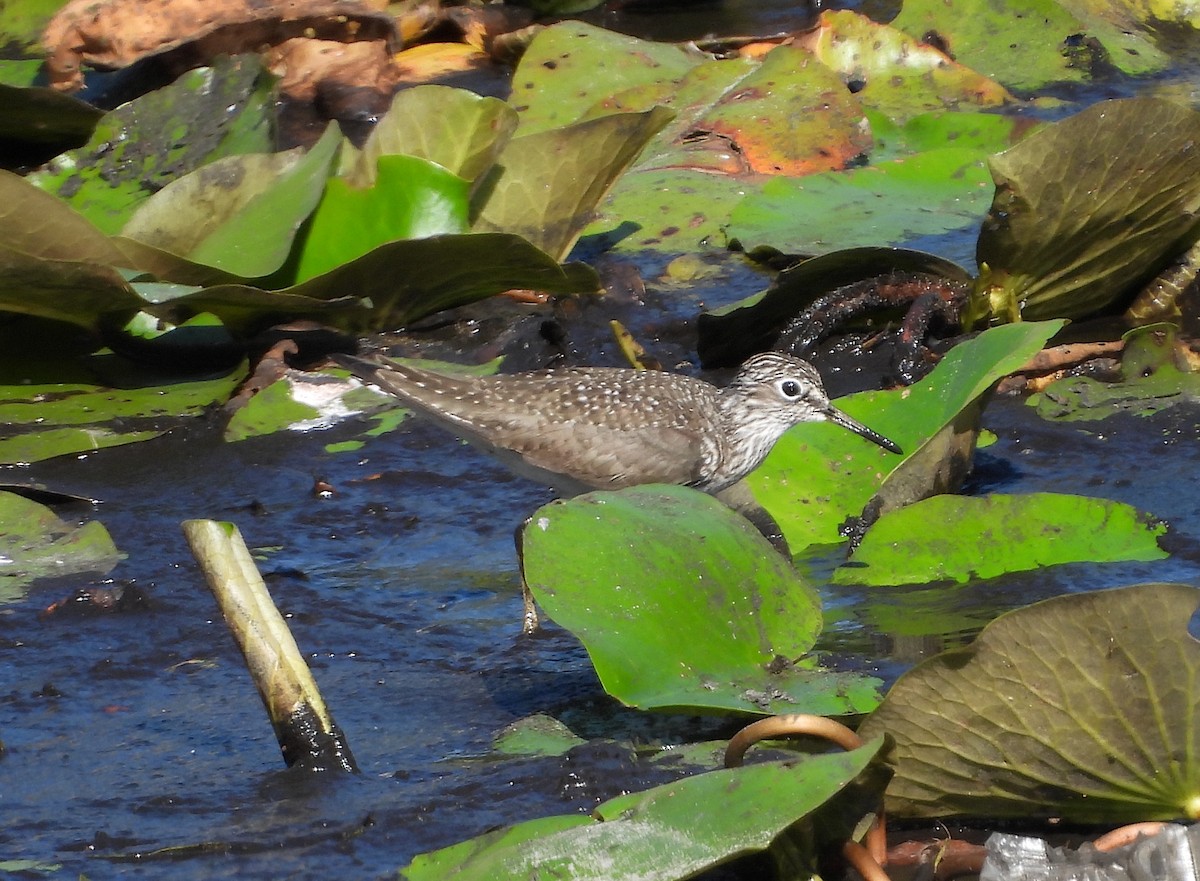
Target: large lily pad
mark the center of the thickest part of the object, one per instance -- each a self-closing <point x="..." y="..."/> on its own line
<point x="1088" y="207"/>
<point x="143" y="145"/>
<point x="681" y="603"/>
<point x="1080" y="707"/>
<point x="36" y="543"/>
<point x="818" y="474"/>
<point x="666" y="833"/>
<point x="988" y="536"/>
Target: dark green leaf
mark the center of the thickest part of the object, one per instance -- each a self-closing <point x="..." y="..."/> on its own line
<point x="457" y="129"/>
<point x="548" y="184"/>
<point x="1081" y="707"/>
<point x="395" y="284"/>
<point x="85" y="294"/>
<point x="42" y="119"/>
<point x="1086" y="208"/>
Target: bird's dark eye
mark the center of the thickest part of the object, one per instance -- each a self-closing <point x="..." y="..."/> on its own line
<point x="790" y="388"/>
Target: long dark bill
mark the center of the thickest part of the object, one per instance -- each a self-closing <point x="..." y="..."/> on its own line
<point x="837" y="417"/>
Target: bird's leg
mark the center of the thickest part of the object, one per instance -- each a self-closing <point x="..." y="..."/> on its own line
<point x="529" y="618"/>
<point x="739" y="498"/>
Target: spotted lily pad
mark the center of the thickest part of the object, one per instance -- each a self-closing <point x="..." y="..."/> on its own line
<point x="1027" y="44"/>
<point x="894" y="73"/>
<point x="207" y="113"/>
<point x="990" y="535"/>
<point x="1080" y="707"/>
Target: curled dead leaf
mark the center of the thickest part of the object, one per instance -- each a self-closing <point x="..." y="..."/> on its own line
<point x="116" y="33"/>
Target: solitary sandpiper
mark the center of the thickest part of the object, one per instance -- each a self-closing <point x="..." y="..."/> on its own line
<point x="585" y="428"/>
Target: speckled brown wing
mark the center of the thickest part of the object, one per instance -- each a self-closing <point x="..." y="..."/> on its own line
<point x="558" y="424"/>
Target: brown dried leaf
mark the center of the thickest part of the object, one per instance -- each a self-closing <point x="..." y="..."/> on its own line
<point x="116" y="33"/>
<point x="308" y="67"/>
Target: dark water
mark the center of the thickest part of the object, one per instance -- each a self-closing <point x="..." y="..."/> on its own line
<point x="129" y="733"/>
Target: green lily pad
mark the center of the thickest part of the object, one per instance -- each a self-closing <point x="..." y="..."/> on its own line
<point x="819" y="474"/>
<point x="549" y="183"/>
<point x="537" y="735"/>
<point x="1080" y="707"/>
<point x="35" y="543"/>
<point x="454" y="128"/>
<point x="1151" y="380"/>
<point x="895" y="73"/>
<point x="675" y="210"/>
<point x="963" y="129"/>
<point x="238" y="214"/>
<point x="892" y="202"/>
<point x="1027" y="44"/>
<point x="629" y="572"/>
<point x="143" y="145"/>
<point x="665" y="833"/>
<point x="991" y="535"/>
<point x="1087" y="208"/>
<point x="37" y="446"/>
<point x="410" y="198"/>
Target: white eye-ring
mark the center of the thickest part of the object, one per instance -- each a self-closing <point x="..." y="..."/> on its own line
<point x="789" y="388"/>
